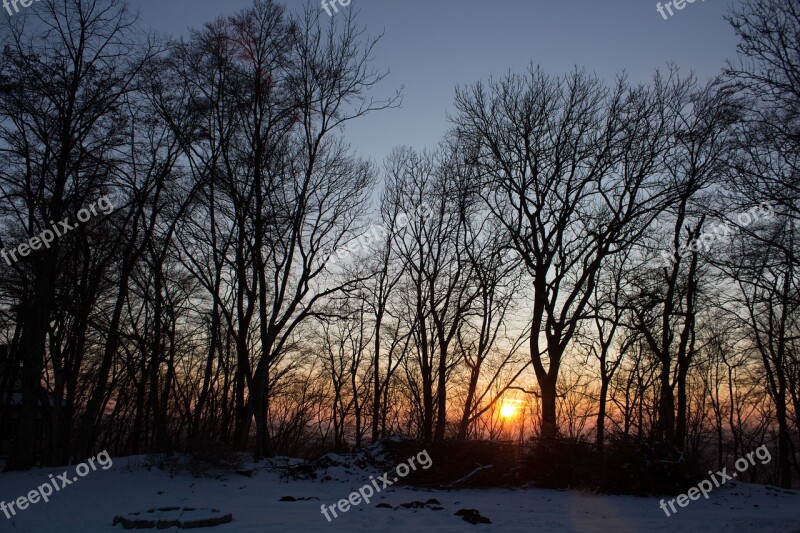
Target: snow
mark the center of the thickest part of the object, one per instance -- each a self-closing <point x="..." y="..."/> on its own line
<point x="90" y="504"/>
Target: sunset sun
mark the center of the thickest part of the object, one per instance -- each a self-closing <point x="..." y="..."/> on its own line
<point x="508" y="410"/>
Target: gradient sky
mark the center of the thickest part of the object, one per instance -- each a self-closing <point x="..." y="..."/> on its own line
<point x="431" y="46"/>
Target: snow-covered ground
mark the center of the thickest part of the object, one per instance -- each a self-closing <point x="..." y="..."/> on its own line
<point x="91" y="503"/>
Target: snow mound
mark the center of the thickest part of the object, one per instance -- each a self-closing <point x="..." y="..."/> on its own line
<point x="373" y="458"/>
<point x="180" y="517"/>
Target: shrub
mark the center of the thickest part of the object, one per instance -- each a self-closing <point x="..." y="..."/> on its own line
<point x="624" y="466"/>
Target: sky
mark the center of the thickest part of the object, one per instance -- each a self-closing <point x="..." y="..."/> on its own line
<point x="431" y="46"/>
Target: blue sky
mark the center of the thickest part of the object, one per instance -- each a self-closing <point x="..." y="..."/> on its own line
<point x="432" y="46"/>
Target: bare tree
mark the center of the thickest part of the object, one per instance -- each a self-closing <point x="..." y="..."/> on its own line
<point x="65" y="79"/>
<point x="570" y="170"/>
<point x="768" y="170"/>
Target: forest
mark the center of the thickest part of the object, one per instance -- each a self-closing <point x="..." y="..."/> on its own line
<point x="583" y="259"/>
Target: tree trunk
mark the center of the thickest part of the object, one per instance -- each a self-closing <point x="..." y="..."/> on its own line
<point x="376" y="369"/>
<point x="32" y="345"/>
<point x="601" y="416"/>
<point x="549" y="419"/>
<point x="441" y="396"/>
<point x="463" y="426"/>
<point x="666" y="406"/>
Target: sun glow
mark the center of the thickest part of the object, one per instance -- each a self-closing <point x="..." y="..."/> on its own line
<point x="509" y="409"/>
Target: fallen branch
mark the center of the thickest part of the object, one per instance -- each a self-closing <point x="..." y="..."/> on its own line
<point x="469" y="476"/>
